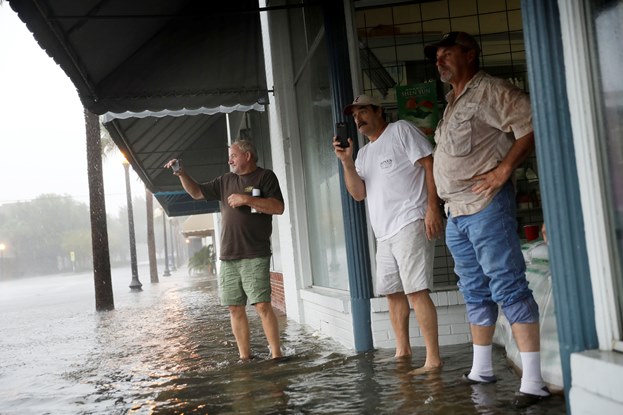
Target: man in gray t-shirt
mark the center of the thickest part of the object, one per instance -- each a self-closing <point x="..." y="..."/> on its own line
<point x="245" y="239"/>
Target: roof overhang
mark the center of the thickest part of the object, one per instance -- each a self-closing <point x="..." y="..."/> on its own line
<point x="137" y="55"/>
<point x="162" y="74"/>
<point x="181" y="204"/>
<point x="200" y="140"/>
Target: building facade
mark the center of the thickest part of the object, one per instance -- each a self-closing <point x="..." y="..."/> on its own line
<point x="318" y="58"/>
<point x="317" y="55"/>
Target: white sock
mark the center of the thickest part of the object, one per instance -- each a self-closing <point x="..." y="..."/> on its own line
<point x="482" y="364"/>
<point x="531" y="380"/>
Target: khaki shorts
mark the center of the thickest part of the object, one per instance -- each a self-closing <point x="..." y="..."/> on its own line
<point x="404" y="262"/>
<point x="245" y="279"/>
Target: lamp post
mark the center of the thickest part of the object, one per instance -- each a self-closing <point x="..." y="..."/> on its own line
<point x="135" y="284"/>
<point x="166" y="273"/>
<point x="173" y="265"/>
<point x="2" y="248"/>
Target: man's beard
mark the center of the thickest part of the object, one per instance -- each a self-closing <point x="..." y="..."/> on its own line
<point x="445" y="75"/>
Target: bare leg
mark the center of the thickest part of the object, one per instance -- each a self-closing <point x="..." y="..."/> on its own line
<point x="482" y="335"/>
<point x="426" y="315"/>
<point x="399" y="311"/>
<point x="527" y="336"/>
<point x="271" y="327"/>
<point x="240" y="328"/>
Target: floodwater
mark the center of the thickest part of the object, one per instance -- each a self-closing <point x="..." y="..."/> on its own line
<point x="169" y="350"/>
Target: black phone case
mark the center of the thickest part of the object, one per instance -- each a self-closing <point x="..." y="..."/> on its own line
<point x="342" y="134"/>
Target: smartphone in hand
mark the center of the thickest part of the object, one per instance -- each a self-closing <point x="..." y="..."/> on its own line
<point x="176" y="166"/>
<point x="341" y="134"/>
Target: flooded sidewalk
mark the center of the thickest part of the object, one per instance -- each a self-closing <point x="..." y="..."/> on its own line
<point x="169" y="350"/>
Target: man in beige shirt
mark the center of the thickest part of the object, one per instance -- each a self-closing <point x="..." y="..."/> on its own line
<point x="485" y="133"/>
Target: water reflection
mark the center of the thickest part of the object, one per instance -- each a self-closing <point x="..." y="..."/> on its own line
<point x="169" y="350"/>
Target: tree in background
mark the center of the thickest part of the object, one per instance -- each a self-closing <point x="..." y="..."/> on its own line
<point x="40" y="232"/>
<point x="203" y="261"/>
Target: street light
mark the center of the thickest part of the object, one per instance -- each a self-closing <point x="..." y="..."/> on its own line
<point x="166" y="272"/>
<point x="2" y="248"/>
<point x="135" y="284"/>
<point x="173" y="265"/>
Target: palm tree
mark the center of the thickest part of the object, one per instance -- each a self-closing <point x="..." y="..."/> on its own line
<point x="107" y="144"/>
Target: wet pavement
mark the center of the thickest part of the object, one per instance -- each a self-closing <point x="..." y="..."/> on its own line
<point x="169" y="350"/>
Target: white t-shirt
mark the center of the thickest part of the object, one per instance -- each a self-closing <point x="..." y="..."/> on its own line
<point x="395" y="182"/>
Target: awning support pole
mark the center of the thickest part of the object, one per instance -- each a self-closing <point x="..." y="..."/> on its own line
<point x="354" y="213"/>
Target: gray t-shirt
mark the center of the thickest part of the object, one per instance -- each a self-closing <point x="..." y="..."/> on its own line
<point x="244" y="234"/>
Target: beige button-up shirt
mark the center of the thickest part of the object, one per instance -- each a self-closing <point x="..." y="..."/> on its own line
<point x="477" y="131"/>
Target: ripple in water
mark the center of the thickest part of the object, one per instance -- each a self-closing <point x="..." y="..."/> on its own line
<point x="169" y="350"/>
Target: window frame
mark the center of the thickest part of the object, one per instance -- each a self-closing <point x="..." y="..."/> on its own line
<point x="585" y="104"/>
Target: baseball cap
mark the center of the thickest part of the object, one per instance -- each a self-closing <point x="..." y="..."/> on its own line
<point x="451" y="39"/>
<point x="361" y="101"/>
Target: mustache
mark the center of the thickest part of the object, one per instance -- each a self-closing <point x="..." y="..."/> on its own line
<point x="361" y="124"/>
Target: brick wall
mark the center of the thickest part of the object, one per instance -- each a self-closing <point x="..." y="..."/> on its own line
<point x="278" y="298"/>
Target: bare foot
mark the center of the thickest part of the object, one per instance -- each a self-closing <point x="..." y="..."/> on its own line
<point x="404" y="358"/>
<point x="276" y="354"/>
<point x="425" y="369"/>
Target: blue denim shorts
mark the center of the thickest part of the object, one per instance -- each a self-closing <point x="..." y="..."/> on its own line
<point x="489" y="262"/>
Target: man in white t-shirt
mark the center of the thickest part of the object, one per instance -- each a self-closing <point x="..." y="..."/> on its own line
<point x="394" y="173"/>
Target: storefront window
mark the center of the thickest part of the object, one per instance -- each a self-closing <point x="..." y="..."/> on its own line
<point x="608" y="15"/>
<point x="391" y="43"/>
<point x="322" y="182"/>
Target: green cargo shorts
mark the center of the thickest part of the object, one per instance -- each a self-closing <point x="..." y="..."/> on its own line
<point x="245" y="279"/>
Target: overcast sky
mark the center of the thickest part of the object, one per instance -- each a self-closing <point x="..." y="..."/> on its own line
<point x="42" y="133"/>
